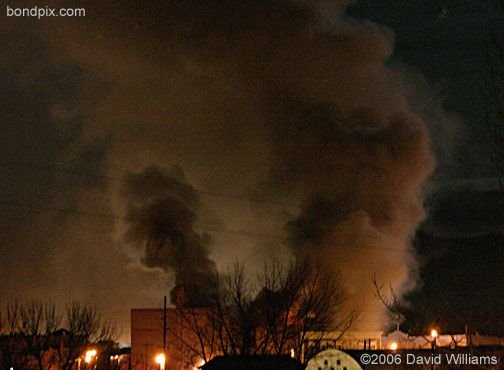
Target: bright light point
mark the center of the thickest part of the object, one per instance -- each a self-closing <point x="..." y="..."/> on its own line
<point x="200" y="363"/>
<point x="394" y="346"/>
<point x="161" y="360"/>
<point x="434" y="333"/>
<point x="89" y="356"/>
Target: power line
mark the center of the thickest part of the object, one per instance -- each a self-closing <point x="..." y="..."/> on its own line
<point x="8" y="203"/>
<point x="126" y="181"/>
<point x="201" y="229"/>
<point x="201" y="192"/>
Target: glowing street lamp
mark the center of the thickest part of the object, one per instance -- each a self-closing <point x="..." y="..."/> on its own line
<point x="434" y="334"/>
<point x="89" y="356"/>
<point x="394" y="346"/>
<point x="161" y="361"/>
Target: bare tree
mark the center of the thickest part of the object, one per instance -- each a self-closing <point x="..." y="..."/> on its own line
<point x="310" y="303"/>
<point x="196" y="334"/>
<point x="13" y="317"/>
<point x="39" y="320"/>
<point x="84" y="327"/>
<point x="392" y="304"/>
<point x="28" y="328"/>
<point x="272" y="317"/>
<point x="33" y="338"/>
<point x="10" y="328"/>
<point x="413" y="319"/>
<point x="52" y="319"/>
<point x="31" y="313"/>
<point x="201" y="333"/>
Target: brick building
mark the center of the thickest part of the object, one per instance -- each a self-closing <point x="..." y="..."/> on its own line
<point x="183" y="345"/>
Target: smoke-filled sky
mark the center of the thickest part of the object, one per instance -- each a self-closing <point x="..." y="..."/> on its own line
<point x="149" y="143"/>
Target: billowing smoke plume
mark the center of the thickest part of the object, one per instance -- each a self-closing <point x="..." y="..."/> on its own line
<point x="289" y="98"/>
<point x="360" y="178"/>
<point x="162" y="214"/>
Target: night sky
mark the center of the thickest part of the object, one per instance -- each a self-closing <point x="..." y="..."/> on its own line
<point x="461" y="242"/>
<point x="253" y="130"/>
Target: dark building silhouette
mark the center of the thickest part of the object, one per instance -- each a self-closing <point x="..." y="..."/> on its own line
<point x="253" y="363"/>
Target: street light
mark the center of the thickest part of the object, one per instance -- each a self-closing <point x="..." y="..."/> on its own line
<point x="434" y="334"/>
<point x="90" y="355"/>
<point x="161" y="361"/>
<point x="394" y="346"/>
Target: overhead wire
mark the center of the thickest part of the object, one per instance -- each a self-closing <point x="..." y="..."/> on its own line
<point x="198" y="228"/>
<point x="124" y="180"/>
<point x="239" y="197"/>
<point x="203" y="228"/>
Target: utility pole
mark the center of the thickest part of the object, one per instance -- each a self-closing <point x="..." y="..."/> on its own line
<point x="164" y="326"/>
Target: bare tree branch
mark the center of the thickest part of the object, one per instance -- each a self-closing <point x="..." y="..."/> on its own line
<point x="273" y="317"/>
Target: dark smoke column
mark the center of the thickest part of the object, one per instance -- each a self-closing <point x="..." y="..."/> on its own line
<point x="162" y="213"/>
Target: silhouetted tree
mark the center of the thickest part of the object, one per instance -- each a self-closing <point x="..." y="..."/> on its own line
<point x="84" y="327"/>
<point x="271" y="317"/>
<point x="31" y="336"/>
